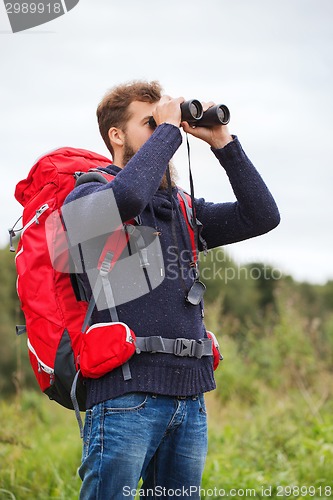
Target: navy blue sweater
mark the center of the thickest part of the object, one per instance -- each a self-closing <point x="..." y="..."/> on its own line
<point x="164" y="310"/>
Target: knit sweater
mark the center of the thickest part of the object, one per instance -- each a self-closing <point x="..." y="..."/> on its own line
<point x="164" y="310"/>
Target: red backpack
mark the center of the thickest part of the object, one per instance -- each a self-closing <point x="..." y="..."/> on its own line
<point x="54" y="317"/>
<point x="46" y="295"/>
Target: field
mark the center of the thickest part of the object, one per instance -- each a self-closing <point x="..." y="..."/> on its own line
<point x="270" y="418"/>
<point x="278" y="445"/>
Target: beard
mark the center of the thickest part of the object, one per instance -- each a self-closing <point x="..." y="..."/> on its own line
<point x="129" y="152"/>
<point x="173" y="177"/>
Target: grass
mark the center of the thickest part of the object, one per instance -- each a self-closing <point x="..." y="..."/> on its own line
<point x="39" y="450"/>
<point x="279" y="441"/>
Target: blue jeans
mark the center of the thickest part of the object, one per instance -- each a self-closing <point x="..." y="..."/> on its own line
<point x="161" y="439"/>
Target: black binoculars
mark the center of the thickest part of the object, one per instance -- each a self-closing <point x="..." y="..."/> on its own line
<point x="192" y="113"/>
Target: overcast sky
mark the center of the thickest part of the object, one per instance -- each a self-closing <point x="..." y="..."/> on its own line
<point x="269" y="61"/>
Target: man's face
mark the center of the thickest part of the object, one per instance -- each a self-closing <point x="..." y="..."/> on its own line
<point x="138" y="132"/>
<point x="138" y="129"/>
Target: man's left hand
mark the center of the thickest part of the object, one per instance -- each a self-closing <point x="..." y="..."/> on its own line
<point x="217" y="137"/>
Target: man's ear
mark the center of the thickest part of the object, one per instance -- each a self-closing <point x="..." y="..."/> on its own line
<point x="116" y="136"/>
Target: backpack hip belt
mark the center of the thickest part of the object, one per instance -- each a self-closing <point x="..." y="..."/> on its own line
<point x="179" y="346"/>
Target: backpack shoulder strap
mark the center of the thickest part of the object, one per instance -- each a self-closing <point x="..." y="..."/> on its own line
<point x="186" y="208"/>
<point x="93" y="175"/>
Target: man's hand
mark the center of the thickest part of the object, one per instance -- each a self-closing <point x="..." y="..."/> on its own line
<point x="217" y="136"/>
<point x="168" y="110"/>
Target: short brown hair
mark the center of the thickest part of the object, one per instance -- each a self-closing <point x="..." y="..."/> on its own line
<point x="113" y="111"/>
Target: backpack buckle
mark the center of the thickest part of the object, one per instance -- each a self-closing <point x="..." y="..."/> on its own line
<point x="184" y="347"/>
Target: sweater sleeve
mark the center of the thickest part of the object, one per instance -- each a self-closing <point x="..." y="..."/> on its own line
<point x="255" y="211"/>
<point x="100" y="208"/>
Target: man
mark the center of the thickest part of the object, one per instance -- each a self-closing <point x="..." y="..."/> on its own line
<point x="152" y="425"/>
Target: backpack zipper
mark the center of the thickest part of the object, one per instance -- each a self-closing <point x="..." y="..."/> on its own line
<point x="39" y="212"/>
<point x="41" y="365"/>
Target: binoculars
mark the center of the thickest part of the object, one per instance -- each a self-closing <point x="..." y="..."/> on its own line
<point x="192" y="113"/>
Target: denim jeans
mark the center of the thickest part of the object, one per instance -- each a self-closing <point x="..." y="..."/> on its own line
<point x="161" y="439"/>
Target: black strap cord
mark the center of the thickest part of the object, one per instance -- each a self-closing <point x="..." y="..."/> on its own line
<point x="197" y="288"/>
<point x="194" y="216"/>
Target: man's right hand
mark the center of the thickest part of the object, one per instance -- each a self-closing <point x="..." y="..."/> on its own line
<point x="168" y="110"/>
